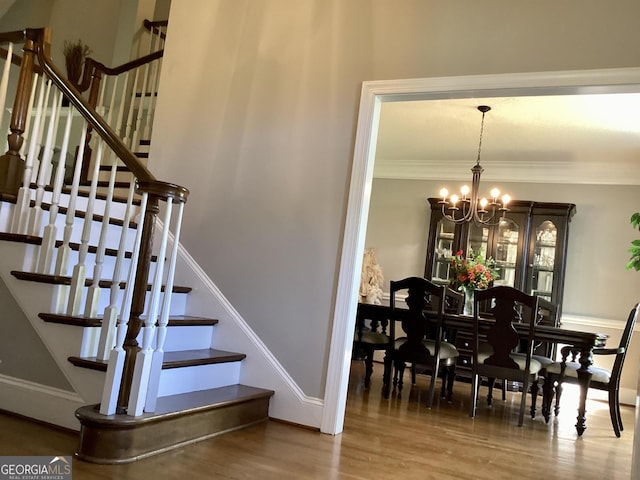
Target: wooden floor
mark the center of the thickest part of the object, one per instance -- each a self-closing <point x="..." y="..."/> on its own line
<point x="382" y="439"/>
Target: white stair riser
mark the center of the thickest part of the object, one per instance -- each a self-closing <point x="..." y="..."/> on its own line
<point x="112" y="236"/>
<point x="177" y="307"/>
<point x="177" y="339"/>
<point x="186" y="338"/>
<point x="190" y="379"/>
<point x="107" y="266"/>
<point x="117" y="208"/>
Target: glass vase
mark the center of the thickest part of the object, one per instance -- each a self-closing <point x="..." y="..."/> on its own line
<point x="468" y="301"/>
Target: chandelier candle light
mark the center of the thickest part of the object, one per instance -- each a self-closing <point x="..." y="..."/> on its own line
<point x="469" y="207"/>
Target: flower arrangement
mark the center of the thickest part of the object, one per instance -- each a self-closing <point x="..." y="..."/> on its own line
<point x="475" y="271"/>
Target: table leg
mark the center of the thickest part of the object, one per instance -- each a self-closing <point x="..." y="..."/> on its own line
<point x="584" y="379"/>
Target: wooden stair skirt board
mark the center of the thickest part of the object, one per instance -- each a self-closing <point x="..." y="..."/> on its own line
<point x="179" y="420"/>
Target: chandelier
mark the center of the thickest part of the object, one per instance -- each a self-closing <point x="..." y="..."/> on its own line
<point x="468" y="207"/>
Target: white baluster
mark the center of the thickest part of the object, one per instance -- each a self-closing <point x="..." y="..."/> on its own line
<point x="108" y="326"/>
<point x="32" y="98"/>
<point x="44" y="173"/>
<point x="20" y="218"/>
<point x="64" y="251"/>
<point x="128" y="135"/>
<point x="45" y="260"/>
<point x="93" y="296"/>
<point x="4" y="83"/>
<point x="119" y="127"/>
<point x="153" y="84"/>
<point x="79" y="270"/>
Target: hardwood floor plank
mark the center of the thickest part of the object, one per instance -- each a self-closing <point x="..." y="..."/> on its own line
<point x="382" y="439"/>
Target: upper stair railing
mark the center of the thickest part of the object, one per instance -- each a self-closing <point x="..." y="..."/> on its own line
<point x="34" y="175"/>
<point x="126" y="95"/>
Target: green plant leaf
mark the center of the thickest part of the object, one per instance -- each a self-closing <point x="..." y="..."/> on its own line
<point x="634" y="250"/>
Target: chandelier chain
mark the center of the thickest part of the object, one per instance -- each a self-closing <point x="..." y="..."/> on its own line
<point x="480" y="141"/>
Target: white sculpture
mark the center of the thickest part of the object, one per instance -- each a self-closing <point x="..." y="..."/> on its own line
<point x="371" y="280"/>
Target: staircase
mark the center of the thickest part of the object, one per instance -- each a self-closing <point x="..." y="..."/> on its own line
<point x="139" y="369"/>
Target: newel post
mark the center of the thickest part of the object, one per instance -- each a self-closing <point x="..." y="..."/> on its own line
<point x="11" y="165"/>
<point x="131" y="346"/>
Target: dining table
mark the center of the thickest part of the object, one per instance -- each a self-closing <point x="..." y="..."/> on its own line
<point x="581" y="340"/>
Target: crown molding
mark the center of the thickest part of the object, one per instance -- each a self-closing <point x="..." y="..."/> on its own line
<point x="565" y="172"/>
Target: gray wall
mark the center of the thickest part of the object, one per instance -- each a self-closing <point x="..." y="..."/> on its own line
<point x="23" y="355"/>
<point x="596" y="284"/>
<point x="258" y="121"/>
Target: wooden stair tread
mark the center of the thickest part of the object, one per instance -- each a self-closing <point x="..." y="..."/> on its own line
<point x="33" y="240"/>
<point x="111" y="252"/>
<point x="82" y="214"/>
<point x="104" y="184"/>
<point x="183" y="403"/>
<point x="82" y="321"/>
<point x="99" y="195"/>
<point x="119" y="168"/>
<point x="65" y="280"/>
<point x="20" y="238"/>
<point x="178" y="420"/>
<point x="177" y="359"/>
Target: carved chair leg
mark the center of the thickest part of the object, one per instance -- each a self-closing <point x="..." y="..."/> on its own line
<point x="534" y="396"/>
<point x="475" y="386"/>
<point x="400" y="366"/>
<point x="614" y="412"/>
<point x="556" y="409"/>
<point x="413" y="374"/>
<point x="547" y="397"/>
<point x="386" y="376"/>
<point x="451" y="376"/>
<point x="443" y="388"/>
<point x="368" y="368"/>
<point x="490" y="383"/>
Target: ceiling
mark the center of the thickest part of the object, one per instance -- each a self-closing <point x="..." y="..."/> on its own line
<point x="589" y="139"/>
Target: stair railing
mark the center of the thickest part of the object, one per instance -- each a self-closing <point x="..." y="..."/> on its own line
<point x="36" y="181"/>
<point x="127" y="93"/>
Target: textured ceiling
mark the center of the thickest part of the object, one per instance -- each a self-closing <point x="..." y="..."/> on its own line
<point x="570" y="138"/>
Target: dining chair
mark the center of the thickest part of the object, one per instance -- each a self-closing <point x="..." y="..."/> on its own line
<point x="423" y="342"/>
<point x="602" y="379"/>
<point x="497" y="349"/>
<point x="453" y="303"/>
<point x="371" y="335"/>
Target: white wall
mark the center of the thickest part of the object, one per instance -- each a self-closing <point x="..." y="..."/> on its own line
<point x="258" y="122"/>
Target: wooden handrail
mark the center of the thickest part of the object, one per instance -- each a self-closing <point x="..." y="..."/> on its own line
<point x="13" y="37"/>
<point x="152" y="26"/>
<point x="91" y="65"/>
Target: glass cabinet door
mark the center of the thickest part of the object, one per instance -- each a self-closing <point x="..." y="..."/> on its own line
<point x="506" y="251"/>
<point x="478" y="239"/>
<point x="443" y="252"/>
<point x="544" y="258"/>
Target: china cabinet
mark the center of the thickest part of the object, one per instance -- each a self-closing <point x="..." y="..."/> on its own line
<point x="529" y="245"/>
